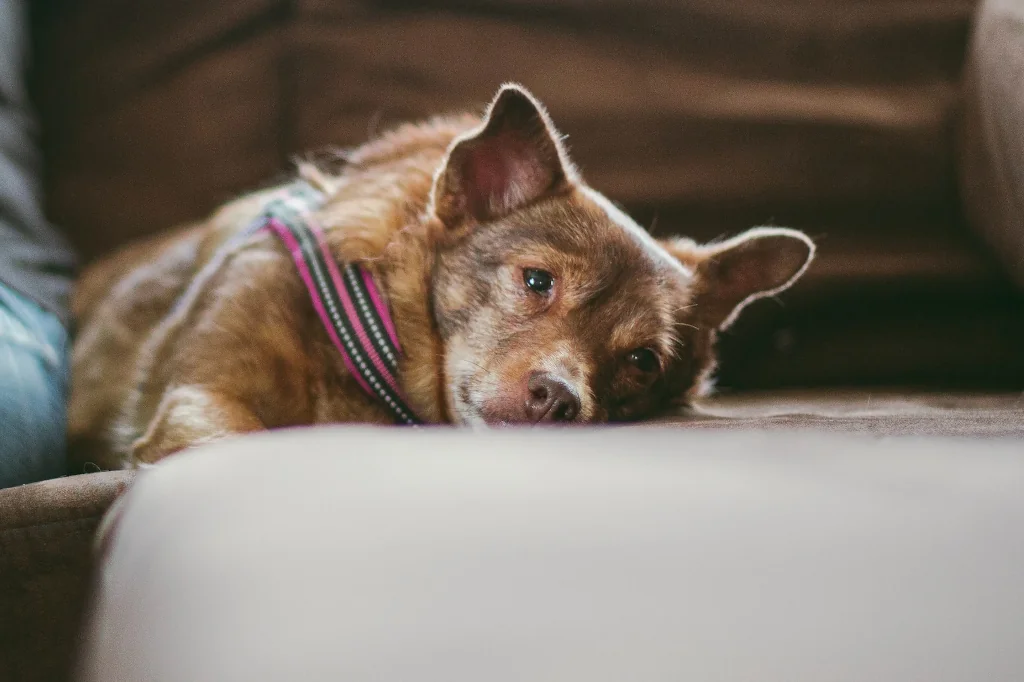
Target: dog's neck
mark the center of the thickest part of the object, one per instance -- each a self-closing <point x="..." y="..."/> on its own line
<point x="405" y="274"/>
<point x="376" y="214"/>
<point x="392" y="239"/>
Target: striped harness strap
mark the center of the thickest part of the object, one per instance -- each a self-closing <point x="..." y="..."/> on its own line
<point x="346" y="298"/>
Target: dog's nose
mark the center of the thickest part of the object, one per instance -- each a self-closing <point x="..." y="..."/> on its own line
<point x="549" y="399"/>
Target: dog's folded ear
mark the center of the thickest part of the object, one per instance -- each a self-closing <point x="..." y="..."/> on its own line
<point x="730" y="275"/>
<point x="514" y="158"/>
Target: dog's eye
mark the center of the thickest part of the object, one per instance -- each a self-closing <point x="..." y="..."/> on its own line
<point x="643" y="359"/>
<point x="538" y="280"/>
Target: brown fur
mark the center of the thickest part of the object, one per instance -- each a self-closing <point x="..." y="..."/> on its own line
<point x="183" y="341"/>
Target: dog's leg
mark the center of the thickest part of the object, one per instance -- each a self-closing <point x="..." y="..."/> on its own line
<point x="189" y="416"/>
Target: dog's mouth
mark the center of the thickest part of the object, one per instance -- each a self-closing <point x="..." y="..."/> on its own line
<point x="514" y="389"/>
<point x="542" y="400"/>
<point x="473" y="408"/>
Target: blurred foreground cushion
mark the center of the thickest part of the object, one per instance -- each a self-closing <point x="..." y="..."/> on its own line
<point x="583" y="556"/>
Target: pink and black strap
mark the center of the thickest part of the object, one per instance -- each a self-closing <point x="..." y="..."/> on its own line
<point x="346" y="299"/>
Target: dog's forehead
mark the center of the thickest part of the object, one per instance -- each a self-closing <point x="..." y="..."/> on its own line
<point x="652" y="287"/>
<point x="602" y="209"/>
<point x="587" y="226"/>
<point x="623" y="285"/>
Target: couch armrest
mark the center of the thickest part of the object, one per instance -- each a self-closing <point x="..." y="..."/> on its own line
<point x="992" y="132"/>
<point x="46" y="533"/>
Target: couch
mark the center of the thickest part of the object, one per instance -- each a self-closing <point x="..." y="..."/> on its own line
<point x="884" y="130"/>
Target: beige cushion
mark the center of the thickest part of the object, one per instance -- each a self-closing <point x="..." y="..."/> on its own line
<point x="359" y="554"/>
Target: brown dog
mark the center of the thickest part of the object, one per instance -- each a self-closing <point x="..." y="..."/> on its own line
<point x="519" y="294"/>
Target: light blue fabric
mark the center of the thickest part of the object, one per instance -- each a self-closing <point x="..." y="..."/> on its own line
<point x="33" y="388"/>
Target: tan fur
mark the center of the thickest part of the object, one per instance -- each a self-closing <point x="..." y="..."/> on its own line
<point x="183" y="341"/>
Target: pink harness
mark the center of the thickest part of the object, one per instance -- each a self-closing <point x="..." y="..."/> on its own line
<point x="346" y="299"/>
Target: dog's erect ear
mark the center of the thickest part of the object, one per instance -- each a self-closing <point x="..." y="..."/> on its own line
<point x="512" y="159"/>
<point x="728" y="276"/>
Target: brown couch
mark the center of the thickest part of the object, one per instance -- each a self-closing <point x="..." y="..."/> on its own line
<point x="844" y="118"/>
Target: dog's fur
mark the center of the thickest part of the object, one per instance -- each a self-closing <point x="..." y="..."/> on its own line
<point x="183" y="341"/>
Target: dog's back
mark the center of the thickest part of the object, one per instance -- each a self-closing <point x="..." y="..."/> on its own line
<point x="121" y="301"/>
<point x="118" y="302"/>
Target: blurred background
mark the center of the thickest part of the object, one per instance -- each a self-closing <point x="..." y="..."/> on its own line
<point x="844" y="118"/>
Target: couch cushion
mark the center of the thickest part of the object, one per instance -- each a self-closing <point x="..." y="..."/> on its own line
<point x="656" y="555"/>
<point x="159" y="116"/>
<point x="878" y="413"/>
<point x="664" y="101"/>
<point x="155" y="114"/>
<point x="992" y="140"/>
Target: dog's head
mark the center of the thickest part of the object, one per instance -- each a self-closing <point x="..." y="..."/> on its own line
<point x="553" y="305"/>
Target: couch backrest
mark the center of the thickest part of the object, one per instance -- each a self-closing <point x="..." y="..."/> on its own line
<point x="155" y="112"/>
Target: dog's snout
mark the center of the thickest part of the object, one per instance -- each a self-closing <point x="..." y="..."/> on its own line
<point x="550" y="399"/>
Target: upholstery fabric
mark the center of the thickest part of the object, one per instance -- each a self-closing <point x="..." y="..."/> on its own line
<point x="992" y="137"/>
<point x="46" y="535"/>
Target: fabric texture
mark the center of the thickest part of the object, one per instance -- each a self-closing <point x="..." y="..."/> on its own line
<point x="33" y="391"/>
<point x="34" y="259"/>
<point x="992" y="138"/>
<point x="46" y="539"/>
<point x="882" y="414"/>
<point x="657" y="555"/>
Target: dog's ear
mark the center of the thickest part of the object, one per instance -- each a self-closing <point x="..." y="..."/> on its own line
<point x="730" y="275"/>
<point x="512" y="159"/>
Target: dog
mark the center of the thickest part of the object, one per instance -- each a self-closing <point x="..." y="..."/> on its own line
<point x="518" y="295"/>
